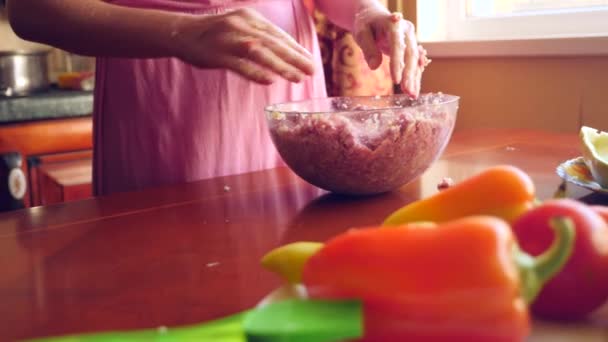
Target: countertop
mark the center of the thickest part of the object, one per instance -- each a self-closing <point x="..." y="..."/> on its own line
<point x="188" y="253"/>
<point x="51" y="104"/>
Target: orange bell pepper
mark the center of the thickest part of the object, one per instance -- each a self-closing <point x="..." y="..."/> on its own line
<point x="463" y="280"/>
<point x="503" y="191"/>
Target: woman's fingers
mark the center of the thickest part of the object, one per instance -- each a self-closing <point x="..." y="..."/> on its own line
<point x="279" y="47"/>
<point x="248" y="69"/>
<point x="396" y="39"/>
<point x="280" y="42"/>
<point x="289" y="40"/>
<point x="411" y="75"/>
<point x="367" y="43"/>
<point x="285" y="66"/>
<point x="424" y="61"/>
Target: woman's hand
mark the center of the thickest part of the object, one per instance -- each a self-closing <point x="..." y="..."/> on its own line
<point x="242" y="41"/>
<point x="377" y="31"/>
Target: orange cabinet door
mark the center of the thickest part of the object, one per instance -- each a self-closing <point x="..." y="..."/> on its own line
<point x="60" y="177"/>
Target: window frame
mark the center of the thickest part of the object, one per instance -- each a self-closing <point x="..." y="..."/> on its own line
<point x="452" y="35"/>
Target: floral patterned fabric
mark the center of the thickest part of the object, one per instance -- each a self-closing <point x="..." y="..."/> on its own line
<point x="346" y="72"/>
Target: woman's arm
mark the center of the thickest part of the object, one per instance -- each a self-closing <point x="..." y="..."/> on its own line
<point x="241" y="40"/>
<point x="93" y="27"/>
<point x="343" y="12"/>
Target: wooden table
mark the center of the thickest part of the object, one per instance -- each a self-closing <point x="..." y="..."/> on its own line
<point x="189" y="253"/>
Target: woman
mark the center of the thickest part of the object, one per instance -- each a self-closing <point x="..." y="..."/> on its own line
<point x="181" y="84"/>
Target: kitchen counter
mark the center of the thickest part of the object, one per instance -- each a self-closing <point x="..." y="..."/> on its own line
<point x="189" y="253"/>
<point x="51" y="104"/>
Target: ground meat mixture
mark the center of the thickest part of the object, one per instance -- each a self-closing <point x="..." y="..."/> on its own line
<point x="445" y="183"/>
<point x="355" y="150"/>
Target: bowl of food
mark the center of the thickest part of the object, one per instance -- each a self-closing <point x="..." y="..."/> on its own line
<point x="362" y="145"/>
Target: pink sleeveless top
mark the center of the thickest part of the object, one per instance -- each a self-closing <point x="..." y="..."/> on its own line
<point x="161" y="121"/>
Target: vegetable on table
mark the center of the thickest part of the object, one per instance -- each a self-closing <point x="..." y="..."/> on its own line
<point x="503" y="191"/>
<point x="582" y="285"/>
<point x="288" y="260"/>
<point x="462" y="280"/>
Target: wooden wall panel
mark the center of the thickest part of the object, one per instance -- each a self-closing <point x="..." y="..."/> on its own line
<point x="556" y="94"/>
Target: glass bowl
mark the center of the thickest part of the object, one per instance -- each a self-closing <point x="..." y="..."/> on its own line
<point x="362" y="145"/>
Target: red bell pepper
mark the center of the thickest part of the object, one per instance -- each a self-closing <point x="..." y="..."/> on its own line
<point x="582" y="285"/>
<point x="461" y="280"/>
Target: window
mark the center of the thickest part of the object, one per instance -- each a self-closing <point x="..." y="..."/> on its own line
<point x="549" y="26"/>
<point x="484" y="8"/>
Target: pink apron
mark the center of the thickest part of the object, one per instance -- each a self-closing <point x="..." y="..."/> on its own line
<point x="160" y="121"/>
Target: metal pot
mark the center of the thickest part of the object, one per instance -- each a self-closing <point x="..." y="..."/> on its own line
<point x="23" y="73"/>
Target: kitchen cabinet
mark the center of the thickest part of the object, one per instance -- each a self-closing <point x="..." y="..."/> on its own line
<point x="62" y="177"/>
<point x="54" y="160"/>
